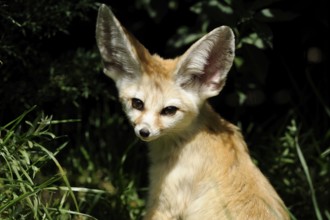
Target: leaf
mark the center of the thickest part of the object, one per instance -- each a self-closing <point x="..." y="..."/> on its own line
<point x="218" y="12"/>
<point x="197" y="8"/>
<point x="238" y="61"/>
<point x="30" y="144"/>
<point x="156" y="9"/>
<point x="241" y="97"/>
<point x="51" y="135"/>
<point x="184" y="38"/>
<point x="264" y="32"/>
<point x="200" y="7"/>
<point x="258" y="4"/>
<point x="26" y="157"/>
<point x="222" y="7"/>
<point x="275" y="15"/>
<point x="255" y="40"/>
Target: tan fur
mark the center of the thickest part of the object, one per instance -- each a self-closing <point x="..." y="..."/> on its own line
<point x="200" y="165"/>
<point x="152" y="64"/>
<point x="224" y="185"/>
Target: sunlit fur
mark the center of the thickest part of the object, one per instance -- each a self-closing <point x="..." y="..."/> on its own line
<point x="200" y="165"/>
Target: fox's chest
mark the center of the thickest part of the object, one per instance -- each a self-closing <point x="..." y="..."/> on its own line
<point x="181" y="187"/>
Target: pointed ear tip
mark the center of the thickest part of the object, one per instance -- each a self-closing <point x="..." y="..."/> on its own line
<point x="103" y="7"/>
<point x="104" y="10"/>
<point x="104" y="17"/>
<point x="227" y="30"/>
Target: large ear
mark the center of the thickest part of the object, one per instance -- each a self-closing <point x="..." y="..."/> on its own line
<point x="117" y="51"/>
<point x="204" y="66"/>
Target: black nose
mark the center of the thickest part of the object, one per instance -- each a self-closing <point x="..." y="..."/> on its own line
<point x="144" y="132"/>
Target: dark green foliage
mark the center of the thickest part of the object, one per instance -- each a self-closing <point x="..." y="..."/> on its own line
<point x="277" y="92"/>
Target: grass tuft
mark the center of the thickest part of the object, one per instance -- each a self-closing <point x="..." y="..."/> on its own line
<point x="25" y="192"/>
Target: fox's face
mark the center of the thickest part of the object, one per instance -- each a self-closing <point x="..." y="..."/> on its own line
<point x="157" y="107"/>
<point x="162" y="97"/>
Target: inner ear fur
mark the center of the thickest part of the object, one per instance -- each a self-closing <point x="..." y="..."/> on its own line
<point x="120" y="51"/>
<point x="204" y="66"/>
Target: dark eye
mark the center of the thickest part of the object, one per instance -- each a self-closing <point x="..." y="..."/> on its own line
<point x="137" y="104"/>
<point x="169" y="110"/>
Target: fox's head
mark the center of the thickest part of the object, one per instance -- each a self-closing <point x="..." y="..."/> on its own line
<point x="163" y="96"/>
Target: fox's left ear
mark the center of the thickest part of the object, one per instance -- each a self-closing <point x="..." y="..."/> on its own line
<point x="204" y="66"/>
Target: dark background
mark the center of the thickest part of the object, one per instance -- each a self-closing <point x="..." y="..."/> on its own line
<point x="277" y="92"/>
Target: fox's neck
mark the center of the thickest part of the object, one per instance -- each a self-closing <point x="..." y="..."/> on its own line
<point x="170" y="145"/>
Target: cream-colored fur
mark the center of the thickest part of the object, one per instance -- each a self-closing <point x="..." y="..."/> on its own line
<point x="200" y="165"/>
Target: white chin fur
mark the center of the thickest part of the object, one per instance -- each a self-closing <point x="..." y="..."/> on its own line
<point x="148" y="139"/>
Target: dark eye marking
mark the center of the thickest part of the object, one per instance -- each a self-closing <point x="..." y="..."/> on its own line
<point x="137" y="104"/>
<point x="169" y="110"/>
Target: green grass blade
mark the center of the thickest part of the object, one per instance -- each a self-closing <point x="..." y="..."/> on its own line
<point x="63" y="174"/>
<point x="309" y="180"/>
<point x="17" y="120"/>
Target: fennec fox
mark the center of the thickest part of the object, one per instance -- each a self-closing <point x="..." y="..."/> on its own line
<point x="200" y="165"/>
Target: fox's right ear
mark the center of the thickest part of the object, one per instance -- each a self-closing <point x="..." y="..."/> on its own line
<point x="119" y="55"/>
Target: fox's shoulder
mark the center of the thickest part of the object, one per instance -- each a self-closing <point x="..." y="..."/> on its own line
<point x="219" y="135"/>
